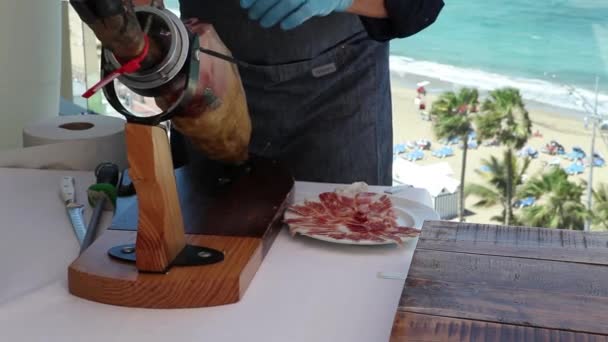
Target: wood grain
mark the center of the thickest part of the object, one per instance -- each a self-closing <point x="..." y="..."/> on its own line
<point x="161" y="234"/>
<point x="551" y="278"/>
<point x="250" y="229"/>
<point x="472" y="282"/>
<point x="506" y="305"/>
<point x="536" y="243"/>
<point x="413" y="327"/>
<point x="97" y="277"/>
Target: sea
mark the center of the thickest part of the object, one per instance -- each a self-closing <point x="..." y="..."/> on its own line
<point x="554" y="51"/>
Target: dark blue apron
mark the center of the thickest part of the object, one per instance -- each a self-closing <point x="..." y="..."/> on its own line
<point x="319" y="96"/>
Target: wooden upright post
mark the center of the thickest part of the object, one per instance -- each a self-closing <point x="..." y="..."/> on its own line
<point x="160" y="234"/>
<point x="242" y="223"/>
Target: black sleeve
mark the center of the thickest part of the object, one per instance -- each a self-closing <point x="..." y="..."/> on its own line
<point x="405" y="18"/>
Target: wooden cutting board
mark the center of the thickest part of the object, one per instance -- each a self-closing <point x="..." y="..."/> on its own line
<point x="241" y="218"/>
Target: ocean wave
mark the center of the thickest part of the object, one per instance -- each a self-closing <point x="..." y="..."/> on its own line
<point x="541" y="91"/>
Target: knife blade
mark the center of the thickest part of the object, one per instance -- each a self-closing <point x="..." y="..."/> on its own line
<point x="75" y="211"/>
<point x="102" y="196"/>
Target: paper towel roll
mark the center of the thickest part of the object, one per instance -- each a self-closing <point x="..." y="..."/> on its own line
<point x="77" y="142"/>
<point x="104" y="129"/>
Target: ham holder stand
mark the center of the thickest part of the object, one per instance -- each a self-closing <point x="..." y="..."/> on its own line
<point x="191" y="237"/>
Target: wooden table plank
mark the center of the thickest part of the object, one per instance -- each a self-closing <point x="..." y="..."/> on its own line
<point x="536" y="243"/>
<point x="492" y="283"/>
<point x="553" y="278"/>
<point x="503" y="305"/>
<point x="413" y="327"/>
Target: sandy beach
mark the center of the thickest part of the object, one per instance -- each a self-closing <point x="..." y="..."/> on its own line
<point x="553" y="124"/>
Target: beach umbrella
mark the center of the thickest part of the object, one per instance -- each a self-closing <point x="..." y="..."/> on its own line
<point x="525" y="202"/>
<point x="443" y="152"/>
<point x="423" y="83"/>
<point x="399" y="149"/>
<point x="575" y="169"/>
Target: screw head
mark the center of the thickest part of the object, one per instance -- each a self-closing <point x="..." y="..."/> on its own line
<point x="128" y="250"/>
<point x="204" y="255"/>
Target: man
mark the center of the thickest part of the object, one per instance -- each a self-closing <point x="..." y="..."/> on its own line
<point x="318" y="84"/>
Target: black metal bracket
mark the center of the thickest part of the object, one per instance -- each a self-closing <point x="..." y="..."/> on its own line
<point x="189" y="256"/>
<point x="191" y="69"/>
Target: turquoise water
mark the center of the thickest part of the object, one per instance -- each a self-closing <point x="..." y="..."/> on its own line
<point x="536" y="39"/>
<point x="546" y="48"/>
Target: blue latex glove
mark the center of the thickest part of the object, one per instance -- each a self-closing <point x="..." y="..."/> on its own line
<point x="291" y="13"/>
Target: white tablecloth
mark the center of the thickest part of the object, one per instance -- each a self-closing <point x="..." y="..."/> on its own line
<point x="304" y="291"/>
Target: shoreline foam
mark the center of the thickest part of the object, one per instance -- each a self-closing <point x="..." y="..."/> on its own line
<point x="538" y="92"/>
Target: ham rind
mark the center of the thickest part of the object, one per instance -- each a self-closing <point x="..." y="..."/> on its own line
<point x="362" y="217"/>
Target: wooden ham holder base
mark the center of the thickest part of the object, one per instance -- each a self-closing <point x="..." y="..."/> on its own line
<point x="241" y="220"/>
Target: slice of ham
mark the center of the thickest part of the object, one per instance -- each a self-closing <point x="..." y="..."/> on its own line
<point x="349" y="214"/>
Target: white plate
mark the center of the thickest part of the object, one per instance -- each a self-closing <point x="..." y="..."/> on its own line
<point x="409" y="214"/>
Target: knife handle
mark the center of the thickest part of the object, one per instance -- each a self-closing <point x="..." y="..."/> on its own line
<point x="68" y="193"/>
<point x="107" y="173"/>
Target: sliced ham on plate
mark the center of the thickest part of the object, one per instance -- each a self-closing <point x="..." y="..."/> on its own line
<point x="350" y="215"/>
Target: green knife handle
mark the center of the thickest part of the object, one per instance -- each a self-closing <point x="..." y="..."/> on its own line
<point x="107" y="173"/>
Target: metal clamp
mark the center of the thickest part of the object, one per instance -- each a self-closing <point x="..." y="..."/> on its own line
<point x="189" y="256"/>
<point x="190" y="68"/>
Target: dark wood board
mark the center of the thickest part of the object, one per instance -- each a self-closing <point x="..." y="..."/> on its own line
<point x="511" y="273"/>
<point x="538" y="243"/>
<point x="505" y="305"/>
<point x="244" y="207"/>
<point x="472" y="282"/>
<point x="413" y="327"/>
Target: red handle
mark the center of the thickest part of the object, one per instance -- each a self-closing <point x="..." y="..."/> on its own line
<point x="127" y="68"/>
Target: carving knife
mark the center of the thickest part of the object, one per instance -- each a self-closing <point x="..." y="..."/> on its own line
<point x="75" y="210"/>
<point x="102" y="196"/>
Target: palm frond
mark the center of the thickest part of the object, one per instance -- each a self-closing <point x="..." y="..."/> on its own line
<point x="600" y="206"/>
<point x="452" y="113"/>
<point x="560" y="202"/>
<point x="487" y="197"/>
<point x="504" y="116"/>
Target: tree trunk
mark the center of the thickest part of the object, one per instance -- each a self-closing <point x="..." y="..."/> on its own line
<point x="509" y="184"/>
<point x="465" y="149"/>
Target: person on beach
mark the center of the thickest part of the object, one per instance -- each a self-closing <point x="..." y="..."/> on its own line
<point x="318" y="88"/>
<point x="423" y="112"/>
<point x="421" y="91"/>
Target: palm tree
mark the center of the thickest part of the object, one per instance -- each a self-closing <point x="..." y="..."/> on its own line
<point x="495" y="191"/>
<point x="452" y="117"/>
<point x="600" y="206"/>
<point x="504" y="117"/>
<point x="560" y="204"/>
